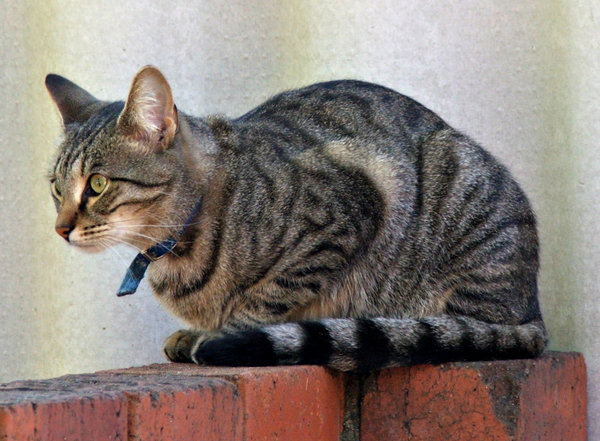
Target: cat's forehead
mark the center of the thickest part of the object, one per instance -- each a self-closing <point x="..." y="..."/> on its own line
<point x="87" y="144"/>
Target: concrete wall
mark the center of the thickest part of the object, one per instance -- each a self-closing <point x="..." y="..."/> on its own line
<point x="520" y="77"/>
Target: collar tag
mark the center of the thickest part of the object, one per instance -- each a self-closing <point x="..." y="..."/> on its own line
<point x="137" y="269"/>
<point x="135" y="274"/>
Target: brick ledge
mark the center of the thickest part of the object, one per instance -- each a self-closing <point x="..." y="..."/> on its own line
<point x="502" y="400"/>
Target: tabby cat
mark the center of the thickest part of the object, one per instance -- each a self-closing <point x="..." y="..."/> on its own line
<point x="341" y="224"/>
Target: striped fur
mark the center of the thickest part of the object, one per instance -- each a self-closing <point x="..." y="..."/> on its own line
<point x="343" y="224"/>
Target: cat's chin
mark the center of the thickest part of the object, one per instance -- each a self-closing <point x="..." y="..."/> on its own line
<point x="88" y="248"/>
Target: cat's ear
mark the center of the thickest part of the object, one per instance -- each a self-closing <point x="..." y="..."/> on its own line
<point x="150" y="115"/>
<point x="74" y="103"/>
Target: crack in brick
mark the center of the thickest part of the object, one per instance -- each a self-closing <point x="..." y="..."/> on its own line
<point x="353" y="395"/>
<point x="503" y="381"/>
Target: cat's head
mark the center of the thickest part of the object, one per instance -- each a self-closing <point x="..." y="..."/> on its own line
<point x="117" y="175"/>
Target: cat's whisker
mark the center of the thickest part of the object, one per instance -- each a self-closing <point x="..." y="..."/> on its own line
<point x="117" y="240"/>
<point x="142" y="225"/>
<point x="161" y="225"/>
<point x="131" y="233"/>
<point x="131" y="219"/>
<point x="107" y="242"/>
<point x="136" y="233"/>
<point x="157" y="241"/>
<point x="103" y="243"/>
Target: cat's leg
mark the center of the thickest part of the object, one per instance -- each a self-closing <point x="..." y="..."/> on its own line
<point x="180" y="346"/>
<point x="251" y="310"/>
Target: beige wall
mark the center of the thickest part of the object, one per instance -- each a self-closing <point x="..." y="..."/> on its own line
<point x="520" y="77"/>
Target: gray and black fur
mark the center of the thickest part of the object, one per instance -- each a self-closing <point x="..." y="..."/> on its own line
<point x="342" y="224"/>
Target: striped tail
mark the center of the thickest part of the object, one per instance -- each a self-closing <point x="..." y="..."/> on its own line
<point x="362" y="345"/>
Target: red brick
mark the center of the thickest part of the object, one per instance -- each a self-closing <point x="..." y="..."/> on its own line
<point x="279" y="403"/>
<point x="120" y="407"/>
<point x="503" y="400"/>
<point x="187" y="409"/>
<point x="554" y="400"/>
<point x="299" y="403"/>
<point x="67" y="408"/>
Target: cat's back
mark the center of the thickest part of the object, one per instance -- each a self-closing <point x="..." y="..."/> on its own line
<point x="342" y="110"/>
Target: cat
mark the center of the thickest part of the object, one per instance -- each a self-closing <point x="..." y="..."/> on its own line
<point x="341" y="224"/>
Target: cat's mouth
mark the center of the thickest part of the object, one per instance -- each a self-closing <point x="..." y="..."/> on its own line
<point x="91" y="239"/>
<point x="97" y="238"/>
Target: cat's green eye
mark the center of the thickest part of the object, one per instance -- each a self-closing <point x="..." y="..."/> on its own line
<point x="98" y="183"/>
<point x="56" y="191"/>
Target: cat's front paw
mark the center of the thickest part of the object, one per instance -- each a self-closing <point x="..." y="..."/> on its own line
<point x="178" y="346"/>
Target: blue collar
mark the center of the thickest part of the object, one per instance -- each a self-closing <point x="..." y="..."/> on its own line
<point x="137" y="269"/>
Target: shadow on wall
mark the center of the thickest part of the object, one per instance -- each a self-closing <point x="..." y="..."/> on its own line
<point x="557" y="173"/>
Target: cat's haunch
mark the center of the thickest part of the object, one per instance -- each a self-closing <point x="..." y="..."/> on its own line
<point x="341" y="224"/>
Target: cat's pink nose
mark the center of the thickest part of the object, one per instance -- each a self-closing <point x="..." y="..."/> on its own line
<point x="63" y="231"/>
